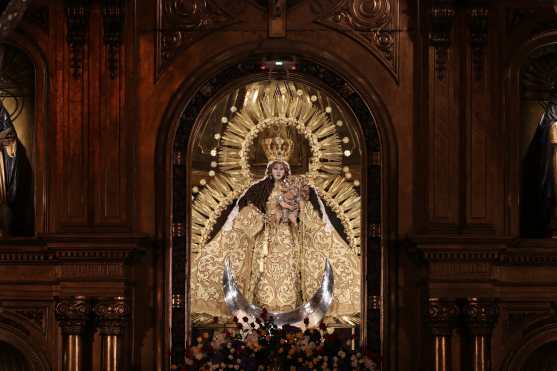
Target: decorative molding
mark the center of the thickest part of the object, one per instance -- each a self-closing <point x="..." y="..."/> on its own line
<point x="183" y="22"/>
<point x="442" y="316"/>
<point x="374" y="24"/>
<point x="491" y="255"/>
<point x="478" y="18"/>
<point x="480" y="316"/>
<point x="112" y="315"/>
<point x="106" y="270"/>
<point x="73" y="314"/>
<point x="442" y="18"/>
<point x="113" y="26"/>
<point x="77" y="18"/>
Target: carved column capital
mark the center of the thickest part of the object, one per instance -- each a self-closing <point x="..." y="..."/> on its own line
<point x="112" y="315"/>
<point x="73" y="314"/>
<point x="481" y="316"/>
<point x="442" y="316"/>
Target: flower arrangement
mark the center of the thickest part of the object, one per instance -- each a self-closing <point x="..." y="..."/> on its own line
<point x="261" y="345"/>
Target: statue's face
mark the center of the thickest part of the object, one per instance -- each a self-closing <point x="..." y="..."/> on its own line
<point x="278" y="171"/>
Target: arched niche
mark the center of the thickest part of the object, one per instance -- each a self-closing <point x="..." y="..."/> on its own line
<point x="537" y="348"/>
<point x="538" y="133"/>
<point x="529" y="85"/>
<point x="23" y="93"/>
<point x="11" y="359"/>
<point x="18" y="344"/>
<point x="174" y="147"/>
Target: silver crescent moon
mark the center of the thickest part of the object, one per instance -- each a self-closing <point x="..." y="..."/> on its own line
<point x="314" y="310"/>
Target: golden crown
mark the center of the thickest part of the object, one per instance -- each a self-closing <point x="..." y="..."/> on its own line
<point x="277" y="148"/>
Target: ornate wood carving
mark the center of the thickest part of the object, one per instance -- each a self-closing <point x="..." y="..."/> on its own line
<point x="374" y="24"/>
<point x="112" y="315"/>
<point x="73" y="314"/>
<point x="183" y="22"/>
<point x="36" y="315"/>
<point x="442" y="17"/>
<point x="478" y="37"/>
<point x="77" y="17"/>
<point x="113" y="27"/>
<point x="538" y="78"/>
<point x="481" y="316"/>
<point x="442" y="315"/>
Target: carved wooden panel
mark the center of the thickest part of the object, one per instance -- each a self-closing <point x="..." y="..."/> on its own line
<point x="70" y="95"/>
<point x="374" y="24"/>
<point x="110" y="141"/>
<point x="183" y="22"/>
<point x="479" y="178"/>
<point x="90" y="182"/>
<point x="443" y="144"/>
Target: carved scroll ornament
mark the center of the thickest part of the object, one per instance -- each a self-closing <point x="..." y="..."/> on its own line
<point x="481" y="316"/>
<point x="73" y="315"/>
<point x="112" y="315"/>
<point x="183" y="22"/>
<point x="373" y="23"/>
<point x="442" y="316"/>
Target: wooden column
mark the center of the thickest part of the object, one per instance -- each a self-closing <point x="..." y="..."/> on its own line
<point x="73" y="315"/>
<point x="112" y="320"/>
<point x="481" y="316"/>
<point x="442" y="316"/>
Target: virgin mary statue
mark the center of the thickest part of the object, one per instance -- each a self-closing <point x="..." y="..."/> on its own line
<point x="277" y="237"/>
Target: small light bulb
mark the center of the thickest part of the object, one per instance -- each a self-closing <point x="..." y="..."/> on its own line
<point x="345" y="140"/>
<point x="313" y="98"/>
<point x="195" y="189"/>
<point x="347" y="153"/>
<point x="202" y="182"/>
<point x="346" y="169"/>
<point x="213" y="152"/>
<point x="217" y="136"/>
<point x="224" y="119"/>
<point x="300" y="92"/>
<point x="211" y="172"/>
<point x="339" y="123"/>
<point x="233" y="109"/>
<point x="348" y="175"/>
<point x="328" y="109"/>
<point x="213" y="164"/>
<point x="357" y="183"/>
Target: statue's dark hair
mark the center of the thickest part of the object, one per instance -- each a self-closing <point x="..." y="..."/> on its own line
<point x="258" y="193"/>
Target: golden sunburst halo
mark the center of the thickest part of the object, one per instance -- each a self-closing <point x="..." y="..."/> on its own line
<point x="280" y="104"/>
